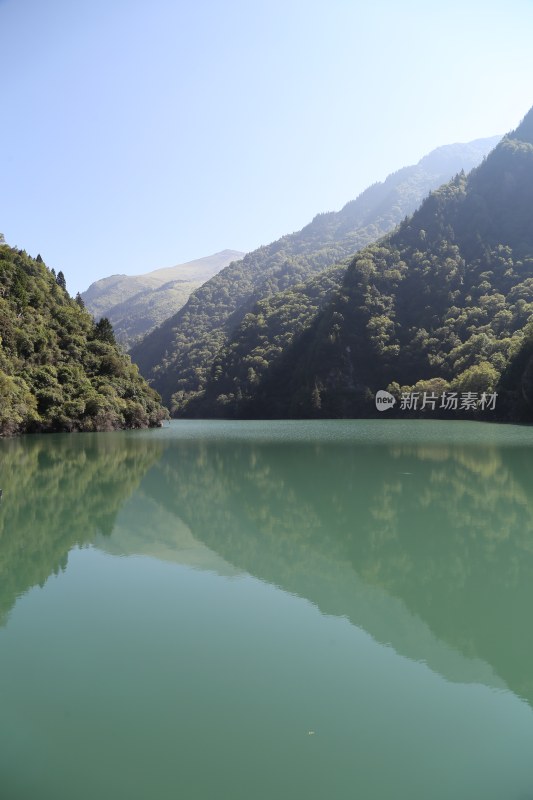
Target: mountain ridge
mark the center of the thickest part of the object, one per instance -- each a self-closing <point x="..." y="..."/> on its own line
<point x="178" y="356"/>
<point x="136" y="304"/>
<point x="443" y="303"/>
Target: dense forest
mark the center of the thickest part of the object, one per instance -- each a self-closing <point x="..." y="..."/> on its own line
<point x="445" y="303"/>
<point x="60" y="370"/>
<point x="179" y="355"/>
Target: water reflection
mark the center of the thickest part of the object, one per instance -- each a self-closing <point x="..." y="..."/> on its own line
<point x="428" y="546"/>
<point x="58" y="492"/>
<point x="448" y="531"/>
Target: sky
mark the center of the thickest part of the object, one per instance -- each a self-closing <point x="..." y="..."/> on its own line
<point x="138" y="135"/>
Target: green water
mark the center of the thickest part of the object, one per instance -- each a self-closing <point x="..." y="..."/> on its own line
<point x="315" y="611"/>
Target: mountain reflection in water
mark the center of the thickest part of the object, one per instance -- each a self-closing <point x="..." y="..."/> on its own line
<point x="426" y="545"/>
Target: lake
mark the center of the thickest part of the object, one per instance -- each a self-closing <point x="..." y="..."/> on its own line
<point x="248" y="610"/>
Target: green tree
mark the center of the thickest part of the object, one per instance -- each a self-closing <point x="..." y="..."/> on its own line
<point x="103" y="330"/>
<point x="55" y="374"/>
<point x="479" y="378"/>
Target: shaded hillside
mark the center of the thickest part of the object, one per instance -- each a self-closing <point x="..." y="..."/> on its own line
<point x="178" y="356"/>
<point x="441" y="304"/>
<point x="136" y="304"/>
<point x="258" y="343"/>
<point x="59" y="370"/>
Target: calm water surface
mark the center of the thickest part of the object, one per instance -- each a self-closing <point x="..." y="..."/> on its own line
<point x="227" y="611"/>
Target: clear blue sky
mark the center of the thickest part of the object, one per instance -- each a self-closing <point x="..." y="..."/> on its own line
<point x="137" y="135"/>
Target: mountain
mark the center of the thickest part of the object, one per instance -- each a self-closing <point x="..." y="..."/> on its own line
<point x="136" y="304"/>
<point x="59" y="371"/>
<point x="178" y="356"/>
<point x="443" y="303"/>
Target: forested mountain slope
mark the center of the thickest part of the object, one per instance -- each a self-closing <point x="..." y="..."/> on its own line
<point x="59" y="370"/>
<point x="136" y="304"/>
<point x="445" y="302"/>
<point x="179" y="355"/>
